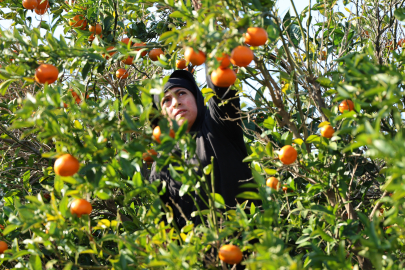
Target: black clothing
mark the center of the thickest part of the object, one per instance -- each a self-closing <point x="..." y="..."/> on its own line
<point x="217" y="137"/>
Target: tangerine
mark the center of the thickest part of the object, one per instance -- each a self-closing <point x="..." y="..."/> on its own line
<point x="256" y="36"/>
<point x="128" y="61"/>
<point x="46" y="73"/>
<point x="126" y="41"/>
<point x="193" y="57"/>
<point x="110" y="53"/>
<point x="327" y="131"/>
<point x="285" y="189"/>
<point x="241" y="56"/>
<point x="230" y="254"/>
<point x="288" y="155"/>
<point x="225" y="60"/>
<point x="96" y="29"/>
<point x="66" y="165"/>
<point x="148" y="156"/>
<point x="181" y="64"/>
<point x="155" y="53"/>
<point x="43" y="4"/>
<point x="223" y="77"/>
<point x="141" y="44"/>
<point x="122" y="73"/>
<point x="156" y="133"/>
<point x="40" y="11"/>
<point x="80" y="207"/>
<point x="92" y="36"/>
<point x="3" y="247"/>
<point x="272" y="182"/>
<point x="346" y="105"/>
<point x="78" y="21"/>
<point x="30" y="4"/>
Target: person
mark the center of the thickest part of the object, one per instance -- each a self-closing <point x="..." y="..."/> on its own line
<point x="216" y="136"/>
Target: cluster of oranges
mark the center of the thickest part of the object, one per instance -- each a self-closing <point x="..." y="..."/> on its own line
<point x="241" y="56"/>
<point x="40" y="6"/>
<point x="68" y="165"/>
<point x="288" y="154"/>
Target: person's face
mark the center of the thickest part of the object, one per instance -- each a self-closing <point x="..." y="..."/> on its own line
<point x="179" y="104"/>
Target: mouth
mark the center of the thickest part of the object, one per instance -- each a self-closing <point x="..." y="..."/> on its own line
<point x="180" y="112"/>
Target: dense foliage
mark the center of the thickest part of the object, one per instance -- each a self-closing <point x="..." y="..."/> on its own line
<point x="343" y="205"/>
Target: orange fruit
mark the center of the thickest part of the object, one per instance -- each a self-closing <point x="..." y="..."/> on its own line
<point x="122" y="73"/>
<point x="155" y="53"/>
<point x="128" y="61"/>
<point x="181" y="64"/>
<point x="230" y="254"/>
<point x="1" y="227"/>
<point x="141" y="44"/>
<point x="272" y="182"/>
<point x="346" y="105"/>
<point x="327" y="131"/>
<point x="110" y="53"/>
<point x="78" y="21"/>
<point x="156" y="133"/>
<point x="74" y="94"/>
<point x="43" y="4"/>
<point x="322" y="55"/>
<point x="193" y="57"/>
<point x="96" y="29"/>
<point x="66" y="165"/>
<point x="148" y="156"/>
<point x="225" y="60"/>
<point x="287" y="155"/>
<point x="126" y="40"/>
<point x="30" y="4"/>
<point x="241" y="56"/>
<point x="223" y="77"/>
<point x="40" y="11"/>
<point x="47" y="196"/>
<point x="92" y="36"/>
<point x="46" y="73"/>
<point x="80" y="207"/>
<point x="65" y="105"/>
<point x="256" y="36"/>
<point x="3" y="247"/>
<point x="285" y="189"/>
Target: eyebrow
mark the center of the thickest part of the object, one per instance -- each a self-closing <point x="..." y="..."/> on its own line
<point x="175" y="92"/>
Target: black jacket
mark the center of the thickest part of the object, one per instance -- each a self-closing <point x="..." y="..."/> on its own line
<point x="217" y="137"/>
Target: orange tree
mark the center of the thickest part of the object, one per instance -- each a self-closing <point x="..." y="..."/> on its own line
<point x="326" y="87"/>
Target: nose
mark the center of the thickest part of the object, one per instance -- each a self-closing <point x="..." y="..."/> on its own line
<point x="175" y="102"/>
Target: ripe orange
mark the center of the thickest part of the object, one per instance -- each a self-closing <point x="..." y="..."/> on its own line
<point x="346" y="105"/>
<point x="148" y="156"/>
<point x="92" y="36"/>
<point x="43" y="4"/>
<point x="327" y="131"/>
<point x="110" y="53"/>
<point x="80" y="207"/>
<point x="181" y="64"/>
<point x="40" y="11"/>
<point x="3" y="247"/>
<point x="126" y="40"/>
<point x="128" y="61"/>
<point x="78" y="21"/>
<point x="272" y="182"/>
<point x="193" y="57"/>
<point x="241" y="56"/>
<point x="156" y="133"/>
<point x="155" y="53"/>
<point x="46" y="73"/>
<point x="288" y="155"/>
<point x="30" y="4"/>
<point x="96" y="29"/>
<point x="322" y="56"/>
<point x="66" y="165"/>
<point x="256" y="36"/>
<point x="225" y="60"/>
<point x="122" y="73"/>
<point x="230" y="254"/>
<point x="141" y="44"/>
<point x="1" y="227"/>
<point x="285" y="189"/>
<point x="65" y="105"/>
<point x="223" y="77"/>
<point x="74" y="94"/>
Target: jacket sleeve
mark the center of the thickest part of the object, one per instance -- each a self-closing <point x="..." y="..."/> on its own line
<point x="224" y="117"/>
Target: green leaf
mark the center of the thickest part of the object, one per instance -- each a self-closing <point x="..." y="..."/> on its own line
<point x="312" y="139"/>
<point x="35" y="262"/>
<point x="399" y="13"/>
<point x="249" y="195"/>
<point x="269" y="123"/>
<point x="258" y="177"/>
<point x="219" y="201"/>
<point x="325" y="82"/>
<point x="4" y="86"/>
<point x="10" y="228"/>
